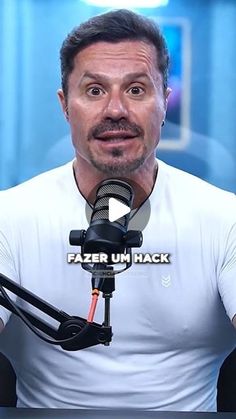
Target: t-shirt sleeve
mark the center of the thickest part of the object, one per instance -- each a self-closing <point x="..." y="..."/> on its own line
<point x="227" y="276"/>
<point x="7" y="258"/>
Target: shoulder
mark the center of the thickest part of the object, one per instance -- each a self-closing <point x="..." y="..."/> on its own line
<point x="197" y="203"/>
<point x="39" y="189"/>
<point x="193" y="192"/>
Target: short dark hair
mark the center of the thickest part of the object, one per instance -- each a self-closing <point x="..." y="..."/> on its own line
<point x="113" y="26"/>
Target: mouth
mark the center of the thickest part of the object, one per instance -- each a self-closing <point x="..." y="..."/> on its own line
<point x="115" y="136"/>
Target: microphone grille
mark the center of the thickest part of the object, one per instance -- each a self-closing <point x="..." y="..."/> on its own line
<point x="112" y="188"/>
<point x="115" y="190"/>
<point x="104" y="215"/>
<point x="101" y="202"/>
<point x="100" y="214"/>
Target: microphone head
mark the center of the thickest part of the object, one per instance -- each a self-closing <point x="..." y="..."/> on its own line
<point x="103" y="235"/>
<point x="116" y="189"/>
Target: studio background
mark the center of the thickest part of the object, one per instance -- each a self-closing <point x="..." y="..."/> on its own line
<point x="34" y="136"/>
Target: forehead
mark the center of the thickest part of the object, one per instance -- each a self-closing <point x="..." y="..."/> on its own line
<point x="123" y="57"/>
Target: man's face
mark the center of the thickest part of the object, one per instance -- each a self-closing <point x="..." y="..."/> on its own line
<point x="115" y="105"/>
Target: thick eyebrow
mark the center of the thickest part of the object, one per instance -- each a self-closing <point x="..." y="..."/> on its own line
<point x="103" y="78"/>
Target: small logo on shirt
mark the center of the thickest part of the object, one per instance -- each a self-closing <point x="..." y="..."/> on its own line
<point x="166" y="281"/>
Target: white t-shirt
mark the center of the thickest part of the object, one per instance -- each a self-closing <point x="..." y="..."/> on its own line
<point x="171" y="330"/>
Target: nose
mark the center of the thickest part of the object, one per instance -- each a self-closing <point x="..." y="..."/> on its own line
<point x="116" y="107"/>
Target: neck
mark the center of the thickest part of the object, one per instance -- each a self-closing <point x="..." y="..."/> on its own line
<point x="142" y="180"/>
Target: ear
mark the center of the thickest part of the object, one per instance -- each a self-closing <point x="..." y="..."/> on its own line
<point x="166" y="97"/>
<point x="63" y="103"/>
<point x="167" y="94"/>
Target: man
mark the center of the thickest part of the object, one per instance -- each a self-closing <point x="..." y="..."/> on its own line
<point x="172" y="323"/>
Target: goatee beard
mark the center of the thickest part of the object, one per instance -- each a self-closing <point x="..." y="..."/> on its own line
<point x="118" y="168"/>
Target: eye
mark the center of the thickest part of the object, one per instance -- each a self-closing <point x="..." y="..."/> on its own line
<point x="136" y="90"/>
<point x="95" y="91"/>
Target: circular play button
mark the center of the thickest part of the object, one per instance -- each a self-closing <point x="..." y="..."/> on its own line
<point x="115" y="203"/>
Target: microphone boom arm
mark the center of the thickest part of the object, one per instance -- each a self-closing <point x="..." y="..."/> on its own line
<point x="73" y="333"/>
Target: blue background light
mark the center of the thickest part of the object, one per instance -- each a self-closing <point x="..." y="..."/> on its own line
<point x="34" y="136"/>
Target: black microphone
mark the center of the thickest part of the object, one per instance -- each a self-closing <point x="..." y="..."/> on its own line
<point x="104" y="236"/>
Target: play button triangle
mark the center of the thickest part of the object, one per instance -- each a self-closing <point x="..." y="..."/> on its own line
<point x="116" y="209"/>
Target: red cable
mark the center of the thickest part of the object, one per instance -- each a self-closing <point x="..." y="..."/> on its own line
<point x="95" y="295"/>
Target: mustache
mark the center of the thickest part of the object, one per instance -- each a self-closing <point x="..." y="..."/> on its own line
<point x="121" y="125"/>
